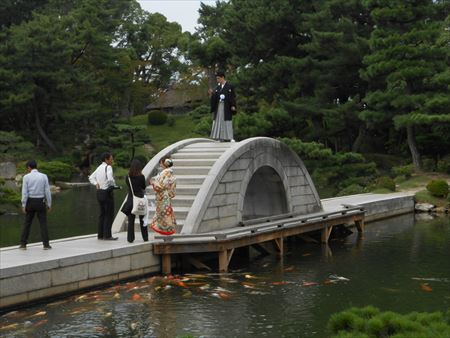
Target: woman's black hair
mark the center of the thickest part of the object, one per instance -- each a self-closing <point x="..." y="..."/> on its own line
<point x="135" y="168"/>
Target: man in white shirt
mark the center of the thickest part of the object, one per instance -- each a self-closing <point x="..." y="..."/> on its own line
<point x="36" y="199"/>
<point x="103" y="179"/>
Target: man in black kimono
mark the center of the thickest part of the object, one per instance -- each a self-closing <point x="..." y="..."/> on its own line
<point x="223" y="107"/>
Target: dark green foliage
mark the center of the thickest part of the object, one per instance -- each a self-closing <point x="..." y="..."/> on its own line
<point x="428" y="164"/>
<point x="438" y="188"/>
<point x="122" y="158"/>
<point x="403" y="170"/>
<point x="56" y="170"/>
<point x="370" y="322"/>
<point x="14" y="147"/>
<point x="385" y="182"/>
<point x="443" y="165"/>
<point x="142" y="159"/>
<point x="199" y="112"/>
<point x="330" y="172"/>
<point x="352" y="189"/>
<point x="156" y="117"/>
<point x="203" y="127"/>
<point x="170" y="120"/>
<point x="8" y="196"/>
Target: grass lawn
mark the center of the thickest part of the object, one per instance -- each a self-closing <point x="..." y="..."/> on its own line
<point x="165" y="135"/>
<point x="413" y="182"/>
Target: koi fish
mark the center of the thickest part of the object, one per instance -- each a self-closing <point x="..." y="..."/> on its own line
<point x="290" y="268"/>
<point x="250" y="277"/>
<point x="280" y="283"/>
<point x="309" y="283"/>
<point x="116" y="295"/>
<point x="204" y="287"/>
<point x="248" y="285"/>
<point x="307" y="254"/>
<point x="80" y="298"/>
<point x="9" y="327"/>
<point x="225" y="295"/>
<point x="38" y="314"/>
<point x="330" y="281"/>
<point x="339" y="278"/>
<point x="425" y="287"/>
<point x="136" y="296"/>
<point x="187" y="294"/>
<point x="41" y="322"/>
<point x="195" y="283"/>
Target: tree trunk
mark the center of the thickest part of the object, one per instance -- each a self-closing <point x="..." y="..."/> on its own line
<point x="42" y="133"/>
<point x="362" y="133"/>
<point x="413" y="147"/>
<point x="212" y="83"/>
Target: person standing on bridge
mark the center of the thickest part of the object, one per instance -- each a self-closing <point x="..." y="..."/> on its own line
<point x="36" y="199"/>
<point x="164" y="185"/>
<point x="223" y="107"/>
<point x="137" y="187"/>
<point x="103" y="179"/>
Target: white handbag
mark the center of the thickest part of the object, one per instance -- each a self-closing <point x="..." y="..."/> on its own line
<point x="139" y="203"/>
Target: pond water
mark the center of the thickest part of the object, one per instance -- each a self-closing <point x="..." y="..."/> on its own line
<point x="74" y="213"/>
<point x="401" y="264"/>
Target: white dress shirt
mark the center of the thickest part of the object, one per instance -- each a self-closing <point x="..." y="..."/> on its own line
<point x="35" y="185"/>
<point x="103" y="176"/>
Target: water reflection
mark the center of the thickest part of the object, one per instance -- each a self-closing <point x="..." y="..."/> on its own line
<point x="267" y="297"/>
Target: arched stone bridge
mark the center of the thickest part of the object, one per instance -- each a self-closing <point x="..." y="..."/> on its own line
<point x="222" y="184"/>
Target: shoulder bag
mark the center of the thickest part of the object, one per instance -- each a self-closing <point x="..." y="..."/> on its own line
<point x="139" y="203"/>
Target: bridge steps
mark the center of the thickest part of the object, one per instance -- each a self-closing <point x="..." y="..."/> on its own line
<point x="192" y="164"/>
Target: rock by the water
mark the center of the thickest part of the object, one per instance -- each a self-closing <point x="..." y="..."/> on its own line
<point x="8" y="170"/>
<point x="424" y="207"/>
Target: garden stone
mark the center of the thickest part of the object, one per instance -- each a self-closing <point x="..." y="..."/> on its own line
<point x="8" y="170"/>
<point x="424" y="207"/>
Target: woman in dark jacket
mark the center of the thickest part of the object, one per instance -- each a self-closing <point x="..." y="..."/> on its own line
<point x="138" y="182"/>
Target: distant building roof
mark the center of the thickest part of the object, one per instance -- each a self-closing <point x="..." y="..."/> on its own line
<point x="179" y="97"/>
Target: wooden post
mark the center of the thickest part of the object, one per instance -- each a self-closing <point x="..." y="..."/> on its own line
<point x="360" y="225"/>
<point x="166" y="267"/>
<point x="224" y="259"/>
<point x="326" y="232"/>
<point x="279" y="246"/>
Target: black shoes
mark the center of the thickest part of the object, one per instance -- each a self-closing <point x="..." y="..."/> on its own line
<point x="23" y="247"/>
<point x="47" y="247"/>
<point x="111" y="239"/>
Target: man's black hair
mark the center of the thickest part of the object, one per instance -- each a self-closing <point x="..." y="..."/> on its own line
<point x="32" y="164"/>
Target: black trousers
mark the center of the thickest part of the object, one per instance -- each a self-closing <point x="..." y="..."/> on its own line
<point x="144" y="230"/>
<point x="35" y="206"/>
<point x="105" y="219"/>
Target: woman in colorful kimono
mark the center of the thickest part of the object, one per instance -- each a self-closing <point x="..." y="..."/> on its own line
<point x="164" y="185"/>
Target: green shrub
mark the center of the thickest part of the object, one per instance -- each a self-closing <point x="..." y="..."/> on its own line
<point x="385" y="182"/>
<point x="355" y="323"/>
<point x="351" y="190"/>
<point x="428" y="164"/>
<point x="403" y="170"/>
<point x="56" y="170"/>
<point x="203" y="127"/>
<point x="156" y="117"/>
<point x="443" y="165"/>
<point x="171" y="120"/>
<point x="438" y="188"/>
<point x="199" y="112"/>
<point x="122" y="158"/>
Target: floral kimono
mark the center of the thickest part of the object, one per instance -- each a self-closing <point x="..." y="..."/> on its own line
<point x="164" y="186"/>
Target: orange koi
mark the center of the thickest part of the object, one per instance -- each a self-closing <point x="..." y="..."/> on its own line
<point x="425" y="287"/>
<point x="136" y="296"/>
<point x="280" y="283"/>
<point x="41" y="322"/>
<point x="309" y="283"/>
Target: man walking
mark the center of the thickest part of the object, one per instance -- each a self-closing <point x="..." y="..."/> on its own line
<point x="103" y="179"/>
<point x="36" y="199"/>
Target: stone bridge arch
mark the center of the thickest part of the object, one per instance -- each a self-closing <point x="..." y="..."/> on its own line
<point x="253" y="178"/>
<point x="221" y="200"/>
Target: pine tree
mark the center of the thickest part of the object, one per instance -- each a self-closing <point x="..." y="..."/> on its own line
<point x="407" y="67"/>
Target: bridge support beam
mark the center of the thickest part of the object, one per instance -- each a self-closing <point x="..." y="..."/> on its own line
<point x="224" y="259"/>
<point x="360" y="225"/>
<point x="326" y="232"/>
<point x="166" y="264"/>
<point x="279" y="246"/>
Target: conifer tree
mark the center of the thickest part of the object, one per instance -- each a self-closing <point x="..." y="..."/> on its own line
<point x="407" y="67"/>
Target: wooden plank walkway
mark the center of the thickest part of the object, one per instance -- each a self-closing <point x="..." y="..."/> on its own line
<point x="254" y="232"/>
